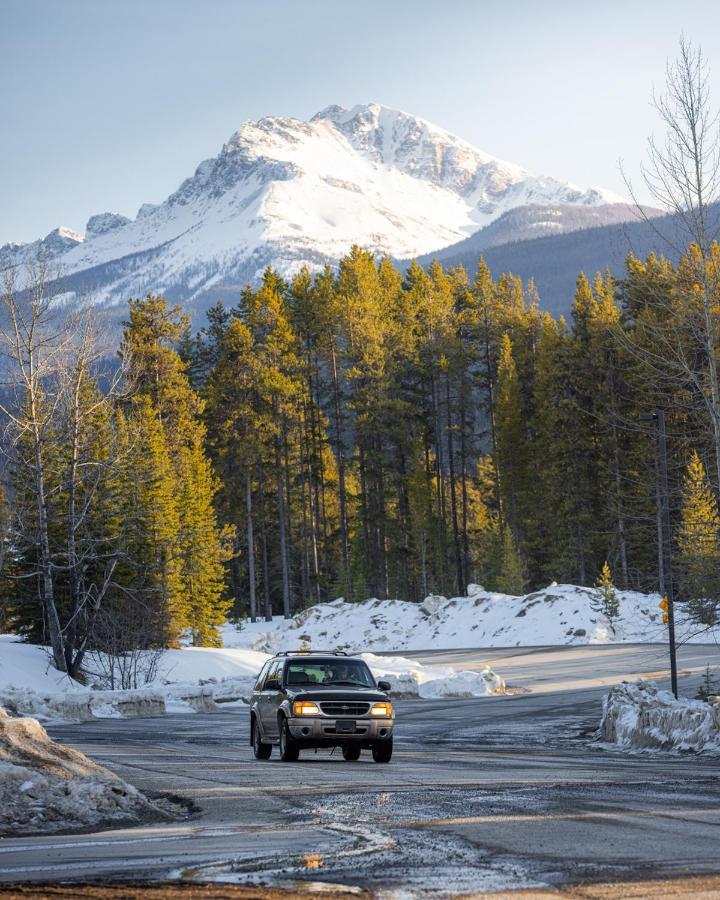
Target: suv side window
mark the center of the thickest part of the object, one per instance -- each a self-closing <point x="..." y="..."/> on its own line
<point x="261" y="676"/>
<point x="275" y="672"/>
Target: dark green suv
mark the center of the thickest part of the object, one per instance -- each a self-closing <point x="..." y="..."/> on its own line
<point x="309" y="700"/>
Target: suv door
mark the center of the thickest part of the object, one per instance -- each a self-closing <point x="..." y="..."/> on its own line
<point x="257" y="694"/>
<point x="271" y="700"/>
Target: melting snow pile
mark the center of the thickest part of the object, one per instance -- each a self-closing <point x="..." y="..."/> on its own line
<point x="408" y="678"/>
<point x="195" y="680"/>
<point x="189" y="680"/>
<point x="641" y="717"/>
<point x="558" y="614"/>
<point x="45" y="786"/>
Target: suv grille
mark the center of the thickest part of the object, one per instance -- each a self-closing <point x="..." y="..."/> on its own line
<point x="344" y="708"/>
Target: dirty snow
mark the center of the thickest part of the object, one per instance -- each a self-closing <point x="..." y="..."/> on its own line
<point x="642" y="717"/>
<point x="557" y="615"/>
<point x="46" y="786"/>
<point x="409" y="678"/>
<point x="188" y="680"/>
<point x="200" y="680"/>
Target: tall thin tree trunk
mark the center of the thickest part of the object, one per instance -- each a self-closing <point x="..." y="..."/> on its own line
<point x="72" y="561"/>
<point x="463" y="475"/>
<point x="282" y="530"/>
<point x="440" y="486"/>
<point x="264" y="545"/>
<point x="46" y="579"/>
<point x="344" y="537"/>
<point x="453" y="499"/>
<point x="250" y="543"/>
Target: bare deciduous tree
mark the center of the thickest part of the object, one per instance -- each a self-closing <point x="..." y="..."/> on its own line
<point x="49" y="362"/>
<point x="682" y="174"/>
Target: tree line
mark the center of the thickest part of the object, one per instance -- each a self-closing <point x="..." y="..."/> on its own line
<point x="360" y="432"/>
<point x="388" y="434"/>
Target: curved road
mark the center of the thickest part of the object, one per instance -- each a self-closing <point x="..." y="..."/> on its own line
<point x="481" y="795"/>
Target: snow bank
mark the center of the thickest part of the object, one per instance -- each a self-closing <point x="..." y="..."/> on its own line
<point x="408" y="678"/>
<point x="641" y="717"/>
<point x="28" y="667"/>
<point x="188" y="680"/>
<point x="45" y="786"/>
<point x="196" y="680"/>
<point x="75" y="706"/>
<point x="556" y="615"/>
<point x="199" y="663"/>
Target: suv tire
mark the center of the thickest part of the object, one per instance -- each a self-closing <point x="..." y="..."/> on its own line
<point x="351" y="753"/>
<point x="289" y="747"/>
<point x="261" y="750"/>
<point x="382" y="751"/>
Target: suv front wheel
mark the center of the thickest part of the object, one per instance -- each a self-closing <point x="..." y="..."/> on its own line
<point x="382" y="751"/>
<point x="289" y="747"/>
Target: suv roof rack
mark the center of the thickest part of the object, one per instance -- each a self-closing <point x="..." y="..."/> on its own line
<point x="312" y="653"/>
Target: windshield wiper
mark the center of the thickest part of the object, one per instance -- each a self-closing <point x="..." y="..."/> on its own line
<point x="357" y="683"/>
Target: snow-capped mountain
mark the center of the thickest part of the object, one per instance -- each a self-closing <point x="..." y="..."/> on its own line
<point x="289" y="193"/>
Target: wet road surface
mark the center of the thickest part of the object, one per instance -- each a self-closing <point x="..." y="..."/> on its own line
<point x="481" y="795"/>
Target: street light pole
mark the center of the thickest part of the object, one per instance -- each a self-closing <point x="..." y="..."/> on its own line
<point x="658" y="417"/>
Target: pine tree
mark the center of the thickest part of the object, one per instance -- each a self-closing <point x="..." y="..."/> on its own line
<point x="150" y="584"/>
<point x="511" y="442"/>
<point x="698" y="544"/>
<point x="151" y="333"/>
<point x="608" y="602"/>
<point x="196" y="549"/>
<point x="510" y="579"/>
<point x="202" y="547"/>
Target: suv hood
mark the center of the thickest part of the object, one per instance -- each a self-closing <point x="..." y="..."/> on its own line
<point x="345" y="693"/>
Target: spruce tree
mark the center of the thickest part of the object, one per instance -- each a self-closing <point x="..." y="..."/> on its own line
<point x="510" y="579"/>
<point x="167" y="400"/>
<point x="698" y="544"/>
<point x="202" y="547"/>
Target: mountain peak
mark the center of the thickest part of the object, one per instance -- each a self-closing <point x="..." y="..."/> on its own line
<point x="287" y="192"/>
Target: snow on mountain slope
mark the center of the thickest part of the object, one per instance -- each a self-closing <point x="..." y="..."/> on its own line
<point x="289" y="193"/>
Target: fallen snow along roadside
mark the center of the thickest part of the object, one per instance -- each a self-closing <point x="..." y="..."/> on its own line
<point x="197" y="680"/>
<point x="641" y="717"/>
<point x="408" y="678"/>
<point x="192" y="679"/>
<point x="47" y="787"/>
<point x="81" y="706"/>
<point x="557" y="615"/>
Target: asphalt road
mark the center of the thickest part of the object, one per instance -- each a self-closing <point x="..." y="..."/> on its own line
<point x="481" y="795"/>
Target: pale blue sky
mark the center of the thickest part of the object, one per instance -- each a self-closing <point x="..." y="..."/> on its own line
<point x="106" y="104"/>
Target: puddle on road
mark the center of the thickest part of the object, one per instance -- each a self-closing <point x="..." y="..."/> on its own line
<point x="384" y="853"/>
<point x="402" y="843"/>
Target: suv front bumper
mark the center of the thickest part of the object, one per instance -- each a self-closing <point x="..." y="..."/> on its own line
<point x="324" y="728"/>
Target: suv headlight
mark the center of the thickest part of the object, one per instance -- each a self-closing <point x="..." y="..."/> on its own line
<point x="381" y="709"/>
<point x="305" y="708"/>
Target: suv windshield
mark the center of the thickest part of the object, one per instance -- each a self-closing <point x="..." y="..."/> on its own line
<point x="329" y="672"/>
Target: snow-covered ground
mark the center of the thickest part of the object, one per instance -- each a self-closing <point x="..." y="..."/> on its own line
<point x="198" y="679"/>
<point x="556" y="615"/>
<point x="641" y="717"/>
<point x="195" y="680"/>
<point x="45" y="786"/>
<point x="409" y="678"/>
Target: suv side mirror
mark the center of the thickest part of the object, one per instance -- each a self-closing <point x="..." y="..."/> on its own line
<point x="384" y="685"/>
<point x="272" y="684"/>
